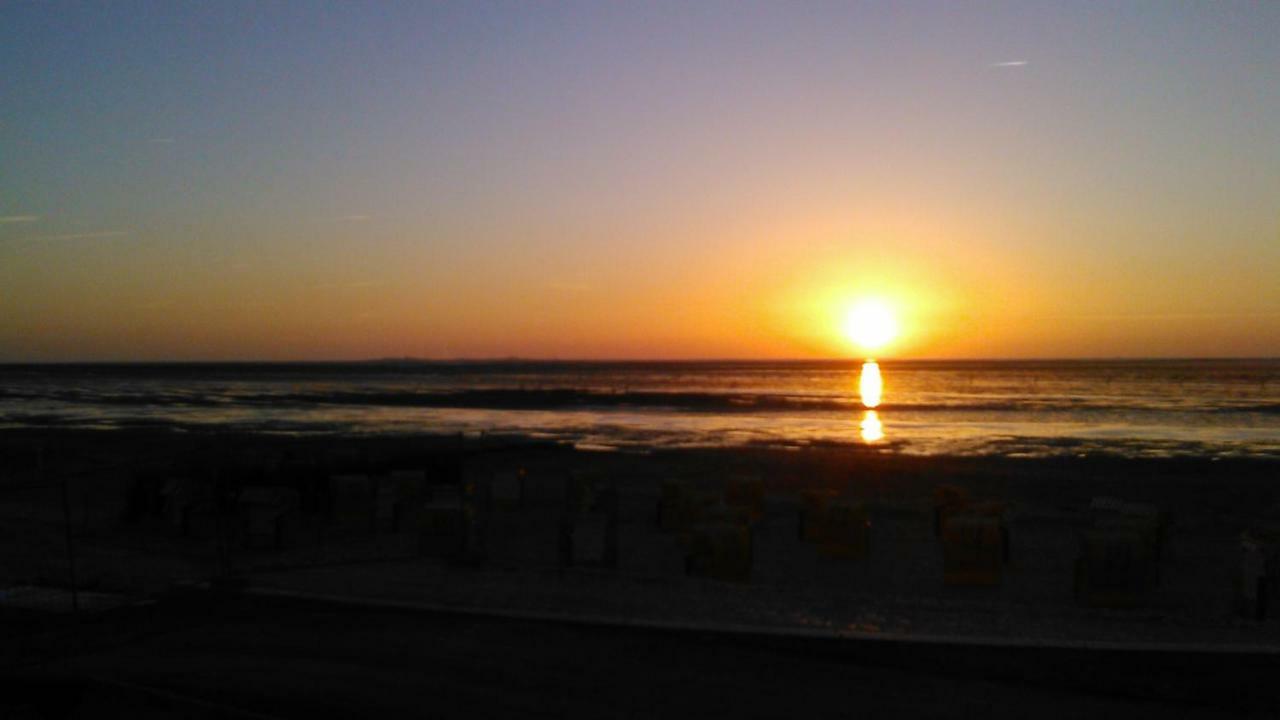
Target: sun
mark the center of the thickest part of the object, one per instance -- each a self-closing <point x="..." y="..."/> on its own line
<point x="870" y="324"/>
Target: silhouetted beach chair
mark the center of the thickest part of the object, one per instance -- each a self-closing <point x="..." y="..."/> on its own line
<point x="947" y="500"/>
<point x="352" y="505"/>
<point x="591" y="532"/>
<point x="1148" y="520"/>
<point x="189" y="507"/>
<point x="443" y="524"/>
<point x="268" y="516"/>
<point x="952" y="501"/>
<point x="1115" y="568"/>
<point x="506" y="488"/>
<point x="399" y="494"/>
<point x="839" y="528"/>
<point x="720" y="550"/>
<point x="973" y="549"/>
<point x="813" y="509"/>
<point x="1257" y="589"/>
<point x="746" y="493"/>
<point x="1119" y="561"/>
<point x="680" y="507"/>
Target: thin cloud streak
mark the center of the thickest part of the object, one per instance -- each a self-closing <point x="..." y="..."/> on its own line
<point x="79" y="236"/>
<point x="1011" y="63"/>
<point x="5" y="219"/>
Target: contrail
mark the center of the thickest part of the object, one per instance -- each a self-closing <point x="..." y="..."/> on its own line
<point x="1011" y="63"/>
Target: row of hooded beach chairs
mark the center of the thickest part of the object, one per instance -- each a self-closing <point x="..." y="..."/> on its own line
<point x="517" y="516"/>
<point x="1118" y="561"/>
<point x="1121" y="552"/>
<point x="274" y="516"/>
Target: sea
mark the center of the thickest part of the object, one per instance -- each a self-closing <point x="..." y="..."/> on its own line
<point x="1135" y="408"/>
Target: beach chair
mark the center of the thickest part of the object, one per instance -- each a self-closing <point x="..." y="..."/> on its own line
<point x="476" y="508"/>
<point x="202" y="520"/>
<point x="386" y="497"/>
<point x="592" y="540"/>
<point x="399" y="494"/>
<point x="352" y="505"/>
<point x="746" y="493"/>
<point x="645" y="549"/>
<point x="268" y="516"/>
<point x="186" y="505"/>
<point x="999" y="510"/>
<point x="1116" y="567"/>
<point x="147" y="498"/>
<point x="1257" y="589"/>
<point x="948" y="500"/>
<point x="506" y="488"/>
<point x="546" y="487"/>
<point x="669" y="505"/>
<point x="972" y="550"/>
<point x="720" y="551"/>
<point x="409" y="483"/>
<point x="442" y="523"/>
<point x="1147" y="520"/>
<point x="813" y="509"/>
<point x="838" y="528"/>
<point x="582" y="493"/>
<point x="525" y="537"/>
<point x="681" y="507"/>
<point x="591" y="530"/>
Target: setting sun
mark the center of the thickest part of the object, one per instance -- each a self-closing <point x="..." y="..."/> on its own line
<point x="870" y="325"/>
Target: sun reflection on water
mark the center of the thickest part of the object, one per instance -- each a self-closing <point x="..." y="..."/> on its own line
<point x="869" y="384"/>
<point x="871" y="388"/>
<point x="872" y="428"/>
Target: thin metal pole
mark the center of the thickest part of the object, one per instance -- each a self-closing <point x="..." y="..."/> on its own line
<point x="66" y="526"/>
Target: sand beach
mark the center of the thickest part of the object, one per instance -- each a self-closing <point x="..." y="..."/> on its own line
<point x="123" y="542"/>
<point x="891" y="586"/>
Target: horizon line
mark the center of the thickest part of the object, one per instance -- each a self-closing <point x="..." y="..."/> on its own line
<point x="655" y="361"/>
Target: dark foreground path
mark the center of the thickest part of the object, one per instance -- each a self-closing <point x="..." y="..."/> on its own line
<point x="241" y="657"/>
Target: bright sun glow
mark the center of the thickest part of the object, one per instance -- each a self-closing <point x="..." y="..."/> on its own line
<point x="870" y="325"/>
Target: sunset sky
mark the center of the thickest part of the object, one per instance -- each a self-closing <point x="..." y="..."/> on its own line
<point x="302" y="180"/>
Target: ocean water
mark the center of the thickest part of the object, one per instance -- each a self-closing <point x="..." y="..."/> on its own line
<point x="1019" y="408"/>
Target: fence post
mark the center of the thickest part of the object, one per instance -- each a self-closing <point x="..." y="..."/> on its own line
<point x="220" y="529"/>
<point x="66" y="527"/>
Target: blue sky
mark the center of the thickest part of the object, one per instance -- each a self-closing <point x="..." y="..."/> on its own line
<point x="307" y="180"/>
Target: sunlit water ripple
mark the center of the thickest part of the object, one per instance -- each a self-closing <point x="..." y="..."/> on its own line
<point x="1136" y="408"/>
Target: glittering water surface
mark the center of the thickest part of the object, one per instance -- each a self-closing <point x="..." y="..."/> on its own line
<point x="1012" y="408"/>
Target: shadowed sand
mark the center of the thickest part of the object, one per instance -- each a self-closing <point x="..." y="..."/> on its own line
<point x="894" y="592"/>
<point x="280" y="657"/>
